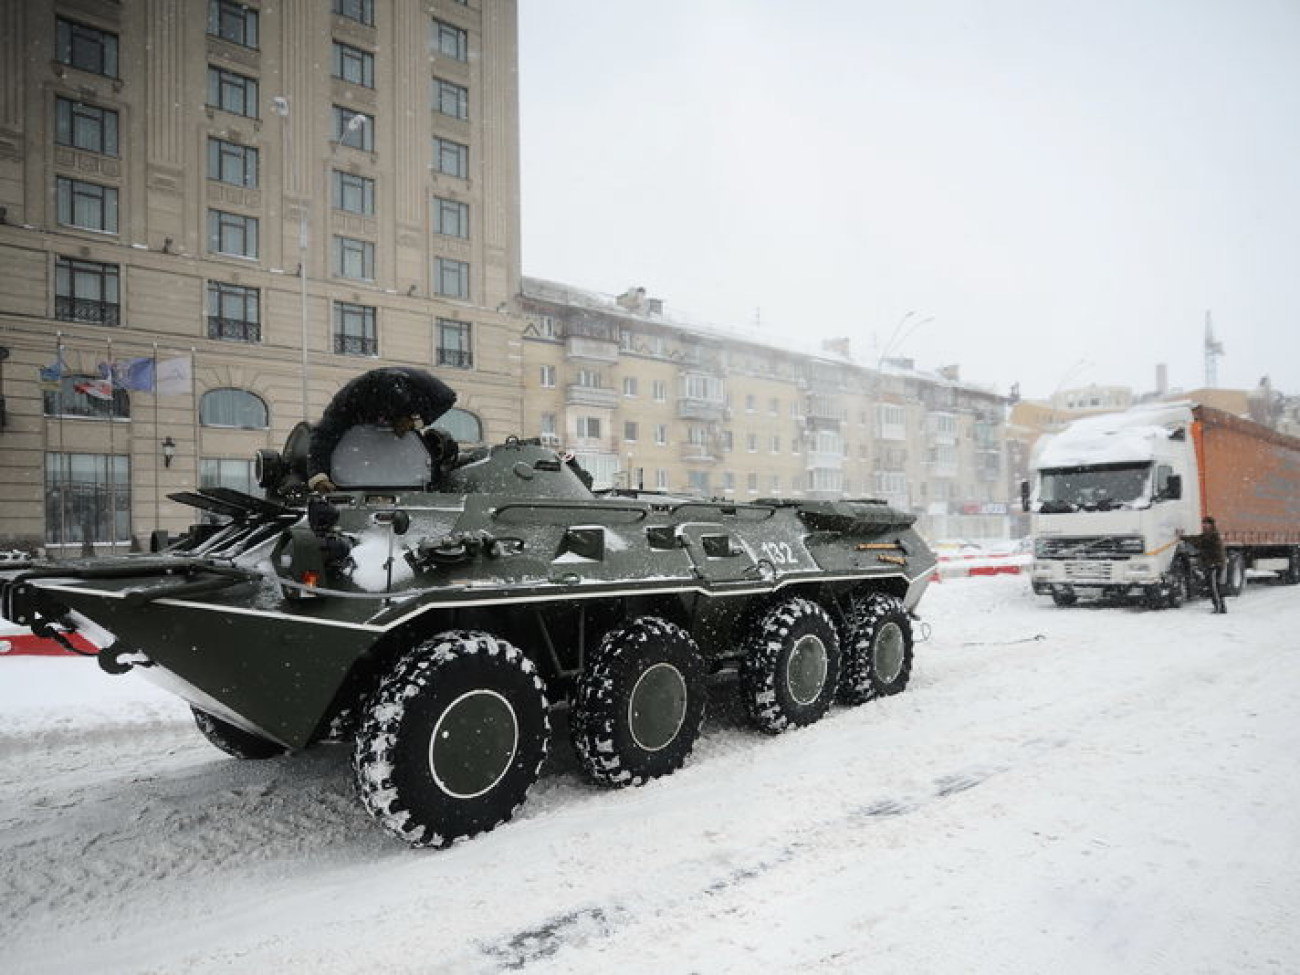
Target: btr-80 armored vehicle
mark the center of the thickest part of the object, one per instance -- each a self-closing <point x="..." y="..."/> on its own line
<point x="438" y="607"/>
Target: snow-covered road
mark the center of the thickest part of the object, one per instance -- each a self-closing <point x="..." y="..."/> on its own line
<point x="1085" y="790"/>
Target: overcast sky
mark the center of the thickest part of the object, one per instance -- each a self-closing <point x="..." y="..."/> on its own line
<point x="1063" y="188"/>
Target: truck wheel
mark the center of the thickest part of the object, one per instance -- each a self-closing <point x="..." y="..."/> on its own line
<point x="791" y="666"/>
<point x="235" y="741"/>
<point x="1064" y="598"/>
<point x="878" y="652"/>
<point x="639" y="703"/>
<point x="1291" y="575"/>
<point x="1234" y="574"/>
<point x="452" y="739"/>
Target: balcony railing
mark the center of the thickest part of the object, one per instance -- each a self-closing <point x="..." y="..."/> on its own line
<point x="234" y="329"/>
<point x="597" y="396"/>
<point x="456" y="358"/>
<point x="691" y="408"/>
<point x="356" y="345"/>
<point x="69" y="309"/>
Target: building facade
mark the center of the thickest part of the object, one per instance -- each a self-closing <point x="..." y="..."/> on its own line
<point x="213" y="213"/>
<point x="647" y="401"/>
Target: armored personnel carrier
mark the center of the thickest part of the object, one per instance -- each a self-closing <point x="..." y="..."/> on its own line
<point x="437" y="609"/>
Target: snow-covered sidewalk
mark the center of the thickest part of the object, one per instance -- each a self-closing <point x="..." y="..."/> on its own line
<point x="1084" y="790"/>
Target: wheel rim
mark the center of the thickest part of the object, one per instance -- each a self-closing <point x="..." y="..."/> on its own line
<point x="805" y="676"/>
<point x="656" y="708"/>
<point x="473" y="744"/>
<point x="888" y="653"/>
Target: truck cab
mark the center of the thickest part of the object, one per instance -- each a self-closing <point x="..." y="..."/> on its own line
<point x="1110" y="498"/>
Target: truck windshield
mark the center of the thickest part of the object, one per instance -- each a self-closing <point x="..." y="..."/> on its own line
<point x="1097" y="488"/>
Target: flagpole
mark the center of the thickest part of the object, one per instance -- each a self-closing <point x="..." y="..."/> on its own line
<point x="112" y="453"/>
<point x="157" y="474"/>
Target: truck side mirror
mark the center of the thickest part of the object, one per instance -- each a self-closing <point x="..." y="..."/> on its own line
<point x="1173" y="488"/>
<point x="1024" y="495"/>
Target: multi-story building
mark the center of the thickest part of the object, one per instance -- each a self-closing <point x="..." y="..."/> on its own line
<point x="646" y="400"/>
<point x="240" y="204"/>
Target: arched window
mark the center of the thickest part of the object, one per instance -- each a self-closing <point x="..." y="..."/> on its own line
<point x="88" y="397"/>
<point x="461" y="424"/>
<point x="236" y="408"/>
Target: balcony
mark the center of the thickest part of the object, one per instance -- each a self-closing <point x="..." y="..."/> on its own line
<point x="69" y="309"/>
<point x="456" y="358"/>
<point x="587" y="347"/>
<point x="689" y="408"/>
<point x="234" y="329"/>
<point x="699" y="453"/>
<point x="597" y="397"/>
<point x="356" y="345"/>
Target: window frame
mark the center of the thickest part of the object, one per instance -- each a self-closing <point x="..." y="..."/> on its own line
<point x="450" y="40"/>
<point x="224" y="155"/>
<point x="72" y="195"/>
<point x="73" y="270"/>
<point x="449" y="150"/>
<point x="224" y="222"/>
<point x="69" y="116"/>
<point x="222" y="12"/>
<point x="360" y="11"/>
<point x="455" y="343"/>
<point x="344" y="55"/>
<point x="447" y="93"/>
<point x="355" y="325"/>
<point x="448" y="270"/>
<point x="247" y="400"/>
<point x="222" y="296"/>
<point x="354" y="254"/>
<point x="450" y="217"/>
<point x="222" y="82"/>
<point x="109" y="496"/>
<point x="362" y="137"/>
<point x="70" y="40"/>
<point x="347" y="186"/>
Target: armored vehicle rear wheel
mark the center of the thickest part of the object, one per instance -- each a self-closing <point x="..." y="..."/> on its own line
<point x="791" y="666"/>
<point x="639" y="703"/>
<point x="878" y="652"/>
<point x="1234" y="574"/>
<point x="235" y="741"/>
<point x="453" y="739"/>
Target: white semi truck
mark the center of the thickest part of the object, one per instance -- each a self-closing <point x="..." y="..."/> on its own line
<point x="1112" y="497"/>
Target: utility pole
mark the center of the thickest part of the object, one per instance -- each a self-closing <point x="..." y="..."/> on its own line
<point x="1213" y="349"/>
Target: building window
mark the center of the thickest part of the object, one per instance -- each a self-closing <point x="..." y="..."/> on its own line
<point x="450" y="98"/>
<point x="453" y="278"/>
<point x="454" y="347"/>
<point x="591" y="379"/>
<point x="699" y="481"/>
<point x="548" y="377"/>
<point x="728" y="441"/>
<point x="354" y="258"/>
<point x="751" y="442"/>
<point x="661" y="479"/>
<point x="630" y="431"/>
<point x="87" y="205"/>
<point x="660" y="391"/>
<point x="228" y="473"/>
<point x="232" y="21"/>
<point x="354" y="329"/>
<point x="232" y="92"/>
<point x="232" y="233"/>
<point x="774" y="406"/>
<point x="629" y="385"/>
<point x="355" y="194"/>
<point x="83" y="126"/>
<point x="661" y="434"/>
<point x="354" y="65"/>
<point x="751" y="483"/>
<point x="451" y="158"/>
<point x="450" y="41"/>
<point x="546" y="427"/>
<point x="87" y="398"/>
<point x="362" y="11"/>
<point x="236" y="408"/>
<point x="891" y="422"/>
<point x="86" y="48"/>
<point x="749" y="403"/>
<point x="229" y="162"/>
<point x="87" y="498"/>
<point x="776" y="444"/>
<point x="234" y="312"/>
<point x="450" y="217"/>
<point x="87" y="291"/>
<point x="729" y="482"/>
<point x="461" y="424"/>
<point x="354" y="129"/>
<point x="589" y="427"/>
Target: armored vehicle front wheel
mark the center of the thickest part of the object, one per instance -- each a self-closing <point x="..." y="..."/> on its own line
<point x="791" y="666"/>
<point x="235" y="741"/>
<point x="878" y="652"/>
<point x="453" y="739"/>
<point x="639" y="703"/>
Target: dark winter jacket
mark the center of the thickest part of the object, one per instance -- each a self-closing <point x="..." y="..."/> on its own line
<point x="380" y="397"/>
<point x="1209" y="547"/>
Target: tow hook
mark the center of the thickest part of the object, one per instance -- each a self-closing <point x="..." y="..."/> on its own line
<point x="119" y="658"/>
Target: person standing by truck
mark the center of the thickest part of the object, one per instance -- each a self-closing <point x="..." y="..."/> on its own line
<point x="1209" y="548"/>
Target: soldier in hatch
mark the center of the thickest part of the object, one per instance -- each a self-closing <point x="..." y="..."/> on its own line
<point x="402" y="397"/>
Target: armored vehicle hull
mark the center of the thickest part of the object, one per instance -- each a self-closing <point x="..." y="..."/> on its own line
<point x="438" y="624"/>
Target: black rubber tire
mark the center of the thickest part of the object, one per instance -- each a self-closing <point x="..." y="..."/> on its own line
<point x="235" y="741"/>
<point x="791" y="668"/>
<point x="639" y="704"/>
<point x="1291" y="574"/>
<point x="877" y="657"/>
<point x="1064" y="598"/>
<point x="480" y="701"/>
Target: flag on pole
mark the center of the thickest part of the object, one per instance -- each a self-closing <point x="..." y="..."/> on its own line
<point x="175" y="377"/>
<point x="97" y="388"/>
<point x="52" y="375"/>
<point x="137" y="374"/>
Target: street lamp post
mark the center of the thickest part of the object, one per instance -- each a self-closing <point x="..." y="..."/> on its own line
<point x="281" y="106"/>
